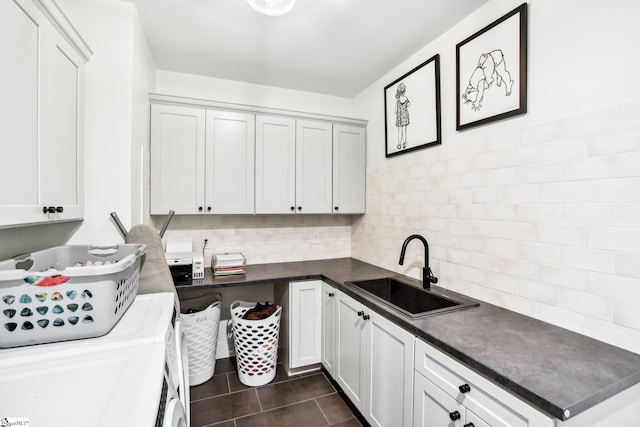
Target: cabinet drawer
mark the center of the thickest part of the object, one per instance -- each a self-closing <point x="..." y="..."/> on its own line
<point x="496" y="406"/>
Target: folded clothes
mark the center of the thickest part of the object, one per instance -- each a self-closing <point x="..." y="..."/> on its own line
<point x="260" y="311"/>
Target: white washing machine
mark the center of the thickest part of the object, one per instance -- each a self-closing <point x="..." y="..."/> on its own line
<point x="137" y="375"/>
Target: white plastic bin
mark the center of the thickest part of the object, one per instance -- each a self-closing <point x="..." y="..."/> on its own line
<point x="201" y="329"/>
<point x="256" y="344"/>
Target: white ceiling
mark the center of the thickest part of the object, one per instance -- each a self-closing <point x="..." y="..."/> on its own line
<point x="335" y="47"/>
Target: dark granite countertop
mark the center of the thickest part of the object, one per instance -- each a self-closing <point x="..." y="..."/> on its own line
<point x="559" y="371"/>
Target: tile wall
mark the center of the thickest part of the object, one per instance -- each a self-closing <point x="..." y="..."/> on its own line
<point x="266" y="238"/>
<point x="544" y="221"/>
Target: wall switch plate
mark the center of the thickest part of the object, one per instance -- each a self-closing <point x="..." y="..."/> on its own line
<point x="315" y="239"/>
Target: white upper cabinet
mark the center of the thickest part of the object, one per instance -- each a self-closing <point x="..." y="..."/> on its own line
<point x="313" y="167"/>
<point x="41" y="131"/>
<point x="349" y="174"/>
<point x="275" y="165"/>
<point x="230" y="153"/>
<point x="177" y="159"/>
<point x="218" y="158"/>
<point x="202" y="161"/>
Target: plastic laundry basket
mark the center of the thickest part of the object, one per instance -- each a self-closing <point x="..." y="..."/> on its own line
<point x="256" y="344"/>
<point x="201" y="329"/>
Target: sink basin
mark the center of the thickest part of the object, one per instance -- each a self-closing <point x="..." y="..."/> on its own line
<point x="411" y="300"/>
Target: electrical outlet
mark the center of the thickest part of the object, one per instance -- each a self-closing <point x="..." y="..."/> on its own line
<point x="205" y="242"/>
<point x="315" y="239"/>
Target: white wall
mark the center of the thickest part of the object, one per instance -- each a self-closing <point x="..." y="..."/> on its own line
<point x="144" y="81"/>
<point x="538" y="213"/>
<point x="120" y="71"/>
<point x="199" y="87"/>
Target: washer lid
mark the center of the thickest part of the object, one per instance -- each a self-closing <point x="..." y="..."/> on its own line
<point x="120" y="386"/>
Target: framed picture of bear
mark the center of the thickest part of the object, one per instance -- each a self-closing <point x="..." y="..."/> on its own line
<point x="412" y="109"/>
<point x="491" y="71"/>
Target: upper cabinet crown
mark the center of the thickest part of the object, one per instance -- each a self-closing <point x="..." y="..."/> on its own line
<point x="205" y="159"/>
<point x="41" y="130"/>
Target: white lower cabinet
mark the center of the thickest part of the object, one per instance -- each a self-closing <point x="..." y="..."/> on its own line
<point x="448" y="393"/>
<point x="374" y="363"/>
<point x="434" y="407"/>
<point x="305" y="323"/>
<point x="328" y="347"/>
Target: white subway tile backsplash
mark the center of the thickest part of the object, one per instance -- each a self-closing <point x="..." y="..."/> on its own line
<point x="614" y="287"/>
<point x="587" y="304"/>
<point x="620" y="336"/>
<point x="614" y="238"/>
<point x="544" y="132"/>
<point x="537" y="291"/>
<point x="561" y="317"/>
<point x="520" y="156"/>
<point x="628" y="214"/>
<point x="562" y="235"/>
<point x="527" y="193"/>
<point x="519" y="231"/>
<point x="629" y="164"/>
<point x="627" y="265"/>
<point x="520" y="268"/>
<point x="502" y="247"/>
<point x="540" y="212"/>
<point x="587" y="259"/>
<point x="616" y="142"/>
<point x="563" y="192"/>
<point x="573" y="148"/>
<point x="504" y="176"/>
<point x="592" y="168"/>
<point x="488" y="161"/>
<point x="626" y="315"/>
<point x="570" y="278"/>
<point x="544" y="220"/>
<point x="540" y="253"/>
<point x="629" y="116"/>
<point x="550" y="172"/>
<point x="592" y="123"/>
<point x="487" y="195"/>
<point x="588" y="214"/>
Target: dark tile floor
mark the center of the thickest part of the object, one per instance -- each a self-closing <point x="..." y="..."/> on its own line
<point x="307" y="400"/>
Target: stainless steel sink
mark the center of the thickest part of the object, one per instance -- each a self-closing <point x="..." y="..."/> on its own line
<point x="411" y="300"/>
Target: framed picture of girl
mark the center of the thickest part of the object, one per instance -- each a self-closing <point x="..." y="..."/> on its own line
<point x="412" y="109"/>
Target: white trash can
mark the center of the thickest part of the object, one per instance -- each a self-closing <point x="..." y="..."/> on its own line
<point x="256" y="344"/>
<point x="201" y="329"/>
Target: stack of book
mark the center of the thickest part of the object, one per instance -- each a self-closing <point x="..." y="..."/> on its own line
<point x="228" y="263"/>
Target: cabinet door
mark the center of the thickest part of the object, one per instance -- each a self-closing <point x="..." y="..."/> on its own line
<point x="313" y="167"/>
<point x="21" y="27"/>
<point x="275" y="165"/>
<point x="230" y="150"/>
<point x="177" y="159"/>
<point x="349" y="170"/>
<point x="329" y="328"/>
<point x="389" y="373"/>
<point x="351" y="340"/>
<point x="432" y="407"/>
<point x="63" y="165"/>
<point x="305" y="323"/>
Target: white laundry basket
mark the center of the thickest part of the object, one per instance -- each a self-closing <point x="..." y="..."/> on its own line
<point x="201" y="329"/>
<point x="256" y="344"/>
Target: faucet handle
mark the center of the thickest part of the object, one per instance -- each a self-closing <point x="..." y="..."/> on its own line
<point x="431" y="277"/>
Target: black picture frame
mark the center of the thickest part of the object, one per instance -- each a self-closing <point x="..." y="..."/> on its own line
<point x="484" y="63"/>
<point x="412" y="119"/>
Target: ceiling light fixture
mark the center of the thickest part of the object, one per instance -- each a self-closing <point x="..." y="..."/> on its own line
<point x="272" y="7"/>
